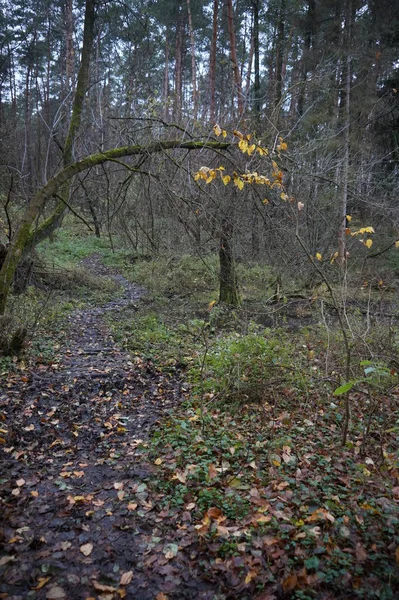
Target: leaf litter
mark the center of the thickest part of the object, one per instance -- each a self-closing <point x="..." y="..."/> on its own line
<point x="93" y="507"/>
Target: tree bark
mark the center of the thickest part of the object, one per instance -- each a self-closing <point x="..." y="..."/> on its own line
<point x="280" y="54"/>
<point x="257" y="101"/>
<point x="193" y="62"/>
<point x="233" y="57"/>
<point x="212" y="62"/>
<point x="346" y="124"/>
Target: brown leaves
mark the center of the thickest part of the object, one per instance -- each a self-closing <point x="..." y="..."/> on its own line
<point x="289" y="583"/>
<point x="320" y="514"/>
<point x="86" y="549"/>
<point x="126" y="578"/>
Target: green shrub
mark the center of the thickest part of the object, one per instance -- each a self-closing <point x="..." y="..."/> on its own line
<point x="242" y="367"/>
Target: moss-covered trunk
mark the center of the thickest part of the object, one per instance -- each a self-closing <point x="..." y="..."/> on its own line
<point x="22" y="236"/>
<point x="25" y="236"/>
<point x="228" y="290"/>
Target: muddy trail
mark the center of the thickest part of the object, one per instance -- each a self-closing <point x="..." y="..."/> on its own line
<point x="77" y="518"/>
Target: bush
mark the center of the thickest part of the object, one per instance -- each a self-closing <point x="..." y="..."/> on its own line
<point x="243" y="367"/>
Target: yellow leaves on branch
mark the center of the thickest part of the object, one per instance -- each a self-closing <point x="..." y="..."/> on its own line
<point x="207" y="174"/>
<point x="281" y="145"/>
<point x="363" y="230"/>
<point x="368" y="242"/>
<point x="248" y="147"/>
<point x="319" y="256"/>
<point x="218" y="131"/>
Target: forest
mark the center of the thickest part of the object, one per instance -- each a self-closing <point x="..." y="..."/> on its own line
<point x="199" y="314"/>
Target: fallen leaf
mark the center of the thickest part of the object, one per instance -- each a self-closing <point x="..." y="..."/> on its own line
<point x="65" y="545"/>
<point x="361" y="553"/>
<point x="182" y="477"/>
<point x="161" y="596"/>
<point x="41" y="582"/>
<point x="250" y="576"/>
<point x="170" y="550"/>
<point x="212" y="472"/>
<point x="56" y="593"/>
<point x="20" y="482"/>
<point x="86" y="549"/>
<point x="214" y="513"/>
<point x="126" y="578"/>
<point x="103" y="588"/>
<point x="290" y="583"/>
<point x="320" y="514"/>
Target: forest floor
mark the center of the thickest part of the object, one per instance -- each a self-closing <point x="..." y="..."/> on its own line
<point x="82" y="518"/>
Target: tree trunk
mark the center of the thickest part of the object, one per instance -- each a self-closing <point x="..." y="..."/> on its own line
<point x="309" y="37"/>
<point x="193" y="62"/>
<point x="233" y="57"/>
<point x="280" y="54"/>
<point x="178" y="71"/>
<point x="212" y="62"/>
<point x="166" y="81"/>
<point x="347" y="77"/>
<point x="228" y="291"/>
<point x="257" y="101"/>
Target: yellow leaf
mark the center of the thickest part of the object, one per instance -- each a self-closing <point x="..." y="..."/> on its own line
<point x="368" y="243"/>
<point x="397" y="244"/>
<point x="238" y="182"/>
<point x="238" y="134"/>
<point x="211" y="304"/>
<point x="243" y="145"/>
<point x="319" y="256"/>
<point x="250" y="576"/>
<point x="251" y="149"/>
<point x="283" y="146"/>
<point x="158" y="461"/>
<point x="224" y="133"/>
<point x="334" y="256"/>
<point x="217" y="130"/>
<point x="41" y="582"/>
<point x="226" y="179"/>
<point x="265" y="201"/>
<point x="348" y="218"/>
<point x="262" y="151"/>
<point x="283" y="196"/>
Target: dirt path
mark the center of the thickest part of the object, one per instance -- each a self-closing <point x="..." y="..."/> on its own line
<point x="77" y="521"/>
